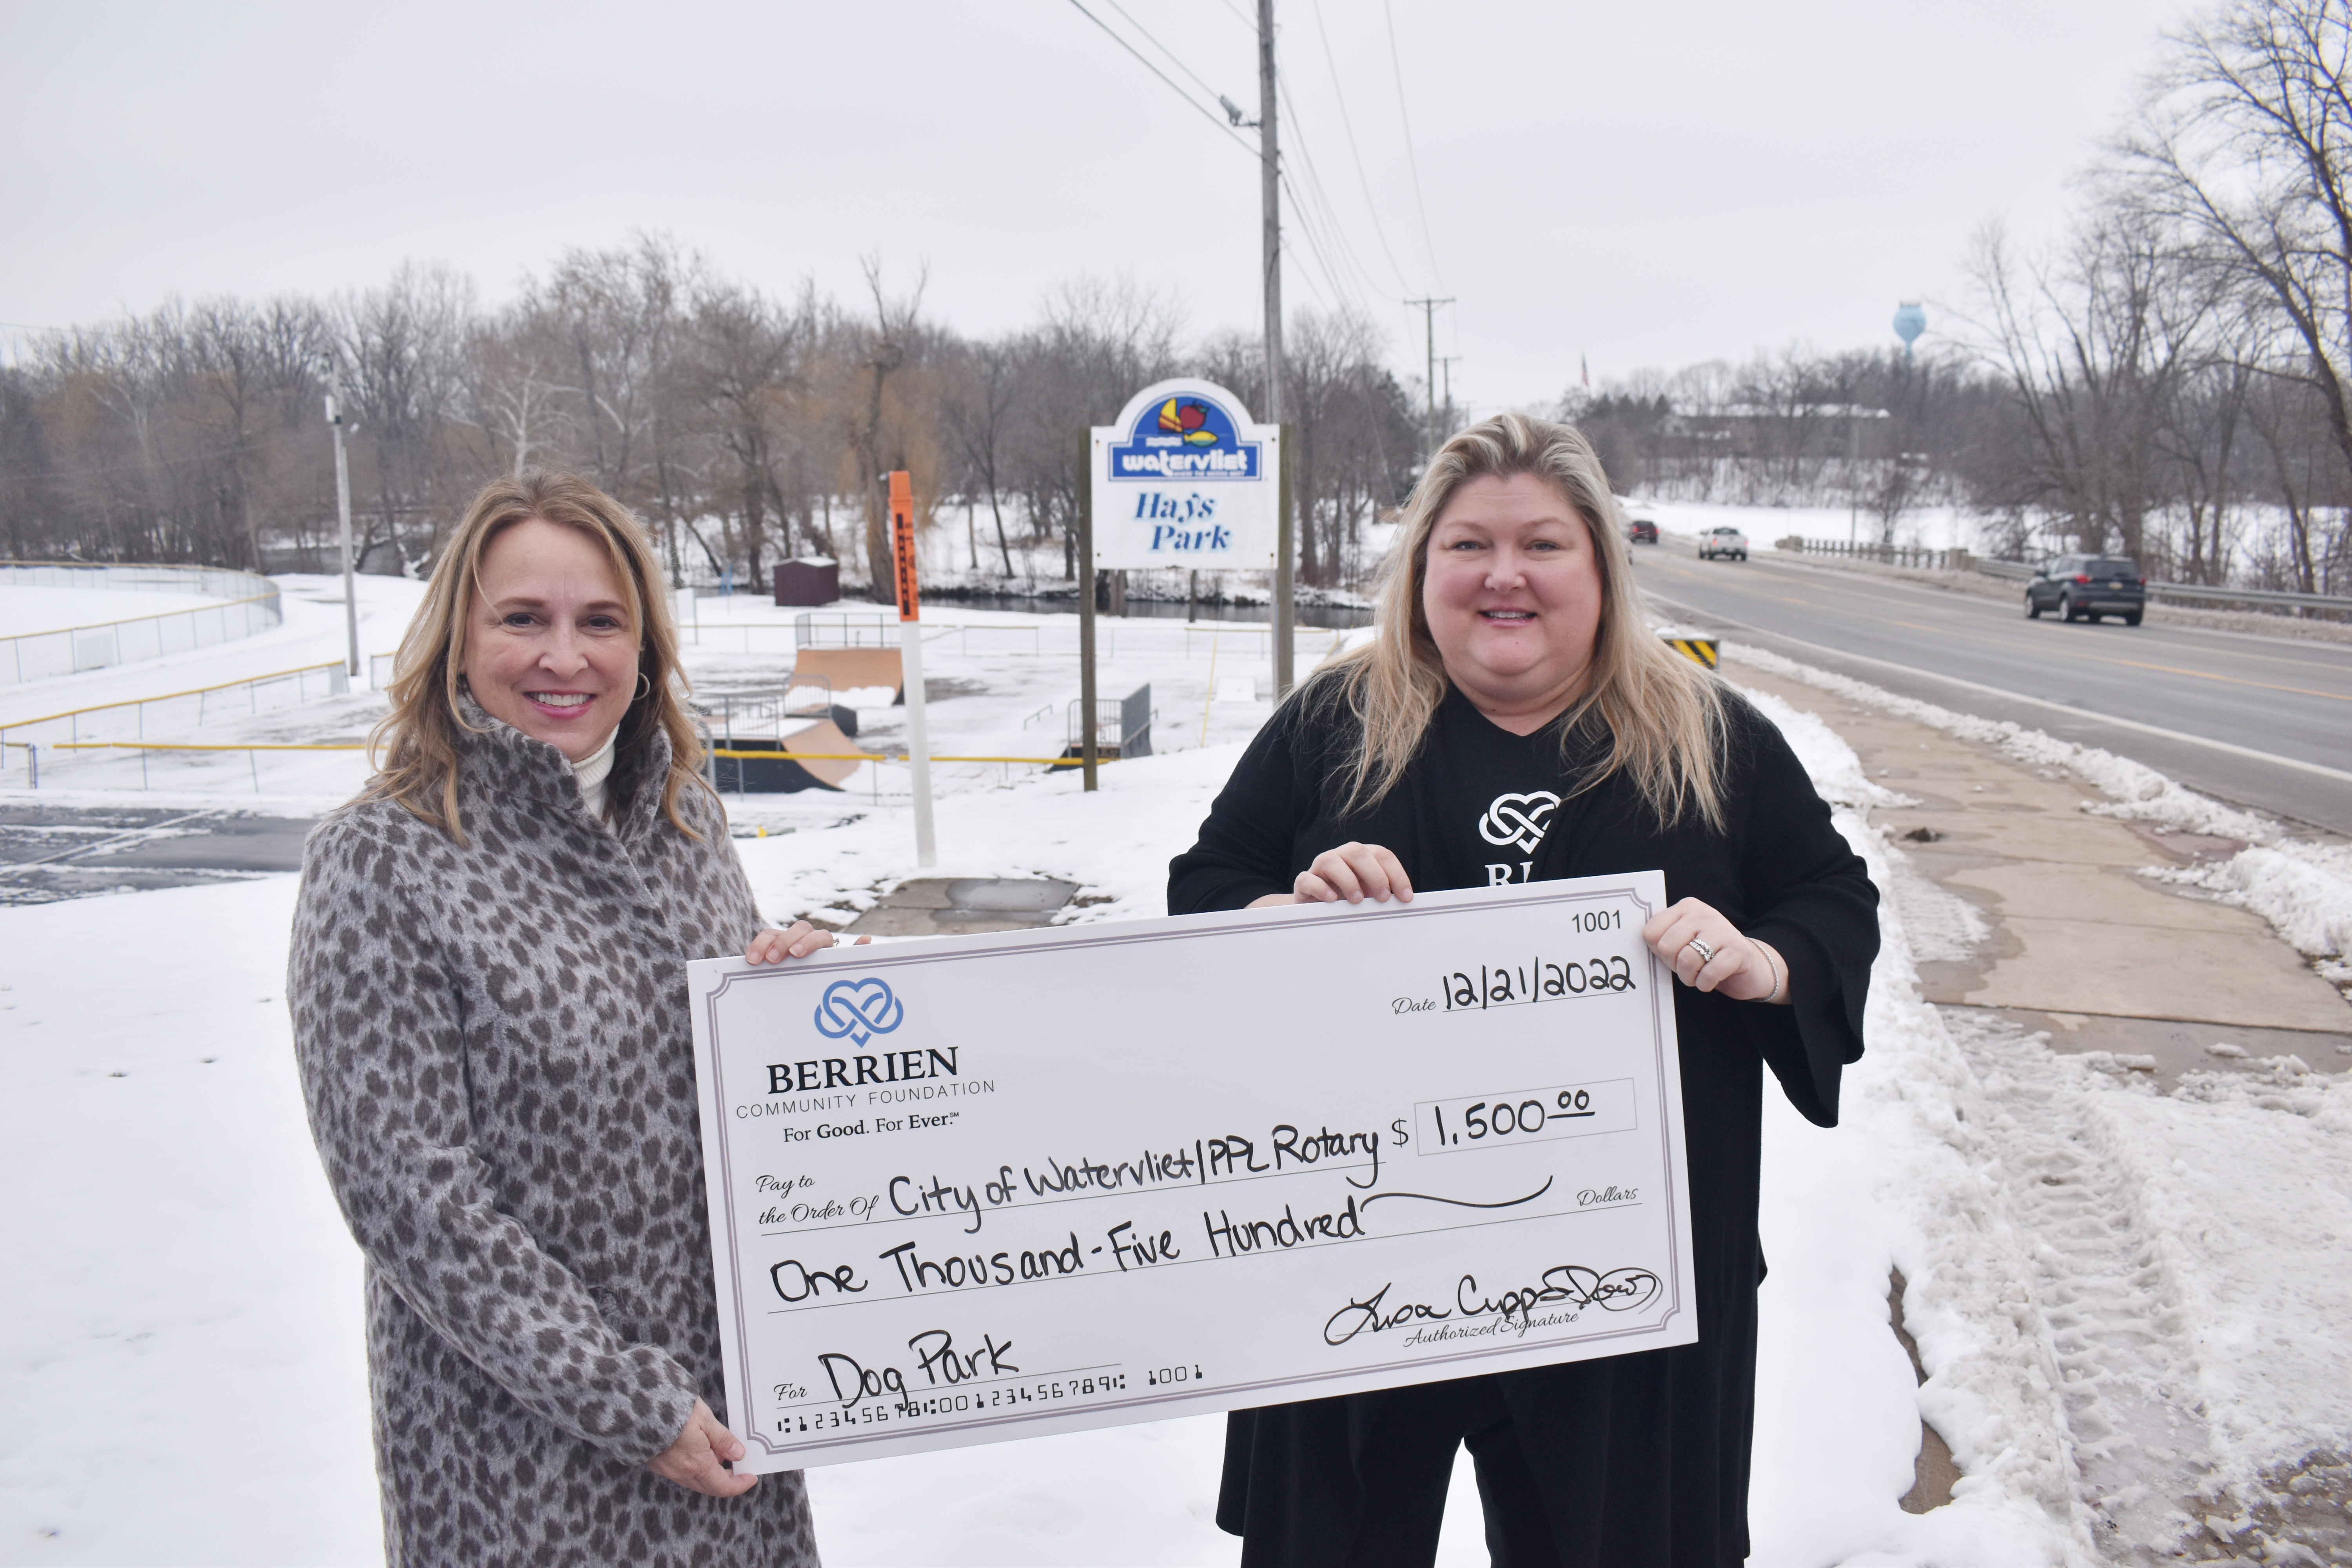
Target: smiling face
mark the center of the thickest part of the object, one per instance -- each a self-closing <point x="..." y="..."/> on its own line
<point x="549" y="645"/>
<point x="1512" y="593"/>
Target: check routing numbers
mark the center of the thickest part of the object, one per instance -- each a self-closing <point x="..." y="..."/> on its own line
<point x="866" y="1175"/>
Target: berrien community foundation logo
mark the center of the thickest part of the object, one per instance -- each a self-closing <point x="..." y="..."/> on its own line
<point x="1187" y="437"/>
<point x="859" y="1009"/>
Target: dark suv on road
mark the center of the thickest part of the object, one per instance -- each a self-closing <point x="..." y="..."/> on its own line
<point x="2084" y="587"/>
<point x="1642" y="531"/>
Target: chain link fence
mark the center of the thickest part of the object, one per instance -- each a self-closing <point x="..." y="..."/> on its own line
<point x="252" y="607"/>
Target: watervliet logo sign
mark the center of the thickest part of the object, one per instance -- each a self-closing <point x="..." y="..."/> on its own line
<point x="1185" y="480"/>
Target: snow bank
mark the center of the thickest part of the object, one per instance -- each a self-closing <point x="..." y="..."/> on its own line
<point x="2304" y="891"/>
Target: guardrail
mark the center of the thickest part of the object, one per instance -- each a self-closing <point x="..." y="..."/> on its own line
<point x="41" y="656"/>
<point x="330" y="676"/>
<point x="2338" y="604"/>
<point x="1929" y="559"/>
<point x="1925" y="557"/>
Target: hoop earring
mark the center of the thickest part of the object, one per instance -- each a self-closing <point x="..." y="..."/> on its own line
<point x="645" y="686"/>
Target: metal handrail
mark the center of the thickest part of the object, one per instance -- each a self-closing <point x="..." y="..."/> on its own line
<point x="165" y="697"/>
<point x="268" y="598"/>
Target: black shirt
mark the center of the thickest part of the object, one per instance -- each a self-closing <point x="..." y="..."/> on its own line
<point x="1644" y="1456"/>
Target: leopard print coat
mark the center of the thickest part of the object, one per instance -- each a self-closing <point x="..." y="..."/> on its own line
<point x="494" y="1046"/>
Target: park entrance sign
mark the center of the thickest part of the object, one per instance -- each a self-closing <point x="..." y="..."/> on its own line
<point x="1184" y="479"/>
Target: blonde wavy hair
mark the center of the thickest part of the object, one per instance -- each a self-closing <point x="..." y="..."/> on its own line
<point x="1664" y="716"/>
<point x="414" y="750"/>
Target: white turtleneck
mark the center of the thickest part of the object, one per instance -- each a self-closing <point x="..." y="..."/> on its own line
<point x="592" y="771"/>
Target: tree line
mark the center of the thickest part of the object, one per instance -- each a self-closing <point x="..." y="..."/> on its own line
<point x="744" y="426"/>
<point x="2170" y="380"/>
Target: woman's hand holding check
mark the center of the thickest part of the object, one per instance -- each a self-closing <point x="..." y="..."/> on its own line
<point x="1706" y="951"/>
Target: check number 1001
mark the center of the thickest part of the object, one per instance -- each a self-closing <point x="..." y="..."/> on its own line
<point x="1526" y="1116"/>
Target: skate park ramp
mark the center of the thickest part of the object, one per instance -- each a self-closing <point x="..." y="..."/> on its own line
<point x="851" y="668"/>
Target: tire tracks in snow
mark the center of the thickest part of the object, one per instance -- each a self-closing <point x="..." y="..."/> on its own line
<point x="2108" y="1301"/>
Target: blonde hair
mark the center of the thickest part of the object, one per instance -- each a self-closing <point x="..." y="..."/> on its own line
<point x="1664" y="715"/>
<point x="420" y="736"/>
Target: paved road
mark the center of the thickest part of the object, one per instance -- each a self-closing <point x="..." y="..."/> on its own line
<point x="48" y="853"/>
<point x="2263" y="722"/>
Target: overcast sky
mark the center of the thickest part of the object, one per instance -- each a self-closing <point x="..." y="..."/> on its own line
<point x="1649" y="185"/>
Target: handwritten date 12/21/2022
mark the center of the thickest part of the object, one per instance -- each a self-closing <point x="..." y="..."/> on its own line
<point x="1523" y="985"/>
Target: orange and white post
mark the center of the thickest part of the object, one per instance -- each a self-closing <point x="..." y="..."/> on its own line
<point x="910" y="659"/>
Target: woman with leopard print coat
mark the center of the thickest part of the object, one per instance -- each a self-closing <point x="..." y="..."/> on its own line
<point x="488" y="984"/>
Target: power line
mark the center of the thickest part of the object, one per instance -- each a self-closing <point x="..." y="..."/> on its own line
<point x="1326" y="213"/>
<point x="1163" y="48"/>
<point x="1314" y="248"/>
<point x="1411" y="162"/>
<point x="1198" y="107"/>
<point x="1348" y="123"/>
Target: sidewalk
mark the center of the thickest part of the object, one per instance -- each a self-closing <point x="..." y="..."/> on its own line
<point x="2075" y="942"/>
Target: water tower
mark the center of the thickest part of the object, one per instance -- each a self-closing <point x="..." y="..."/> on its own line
<point x="1910" y="321"/>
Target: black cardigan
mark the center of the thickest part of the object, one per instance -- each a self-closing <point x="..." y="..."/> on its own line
<point x="1644" y="1456"/>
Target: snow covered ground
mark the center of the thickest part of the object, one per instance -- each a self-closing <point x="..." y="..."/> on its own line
<point x="2126" y="1299"/>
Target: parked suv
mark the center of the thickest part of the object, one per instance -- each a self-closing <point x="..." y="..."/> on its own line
<point x="2084" y="587"/>
<point x="1717" y="542"/>
<point x="1642" y="531"/>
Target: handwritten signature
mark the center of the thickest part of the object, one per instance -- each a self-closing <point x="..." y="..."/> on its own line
<point x="1570" y="1284"/>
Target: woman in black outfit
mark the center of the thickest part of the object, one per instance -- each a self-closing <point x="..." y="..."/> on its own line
<point x="1514" y="719"/>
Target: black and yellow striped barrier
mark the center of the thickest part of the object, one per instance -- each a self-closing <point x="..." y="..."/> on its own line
<point x="1698" y="650"/>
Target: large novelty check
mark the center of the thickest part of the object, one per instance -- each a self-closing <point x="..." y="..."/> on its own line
<point x="968" y="1189"/>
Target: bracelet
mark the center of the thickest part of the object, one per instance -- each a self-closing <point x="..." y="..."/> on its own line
<point x="1779" y="975"/>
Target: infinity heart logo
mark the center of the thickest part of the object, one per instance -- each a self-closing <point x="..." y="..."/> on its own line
<point x="859" y="1009"/>
<point x="1519" y="819"/>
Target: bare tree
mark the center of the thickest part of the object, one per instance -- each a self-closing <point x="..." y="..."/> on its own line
<point x="741" y="359"/>
<point x="886" y="349"/>
<point x="985" y="392"/>
<point x="2093" y="348"/>
<point x="2243" y="145"/>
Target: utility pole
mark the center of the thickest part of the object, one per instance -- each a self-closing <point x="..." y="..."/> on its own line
<point x="343" y="511"/>
<point x="1445" y="364"/>
<point x="1270" y="194"/>
<point x="1088" y="759"/>
<point x="1429" y="327"/>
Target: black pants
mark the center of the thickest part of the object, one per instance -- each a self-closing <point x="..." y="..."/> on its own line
<point x="1407" y="1459"/>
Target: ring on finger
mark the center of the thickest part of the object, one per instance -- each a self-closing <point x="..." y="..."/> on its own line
<point x="1705" y="953"/>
